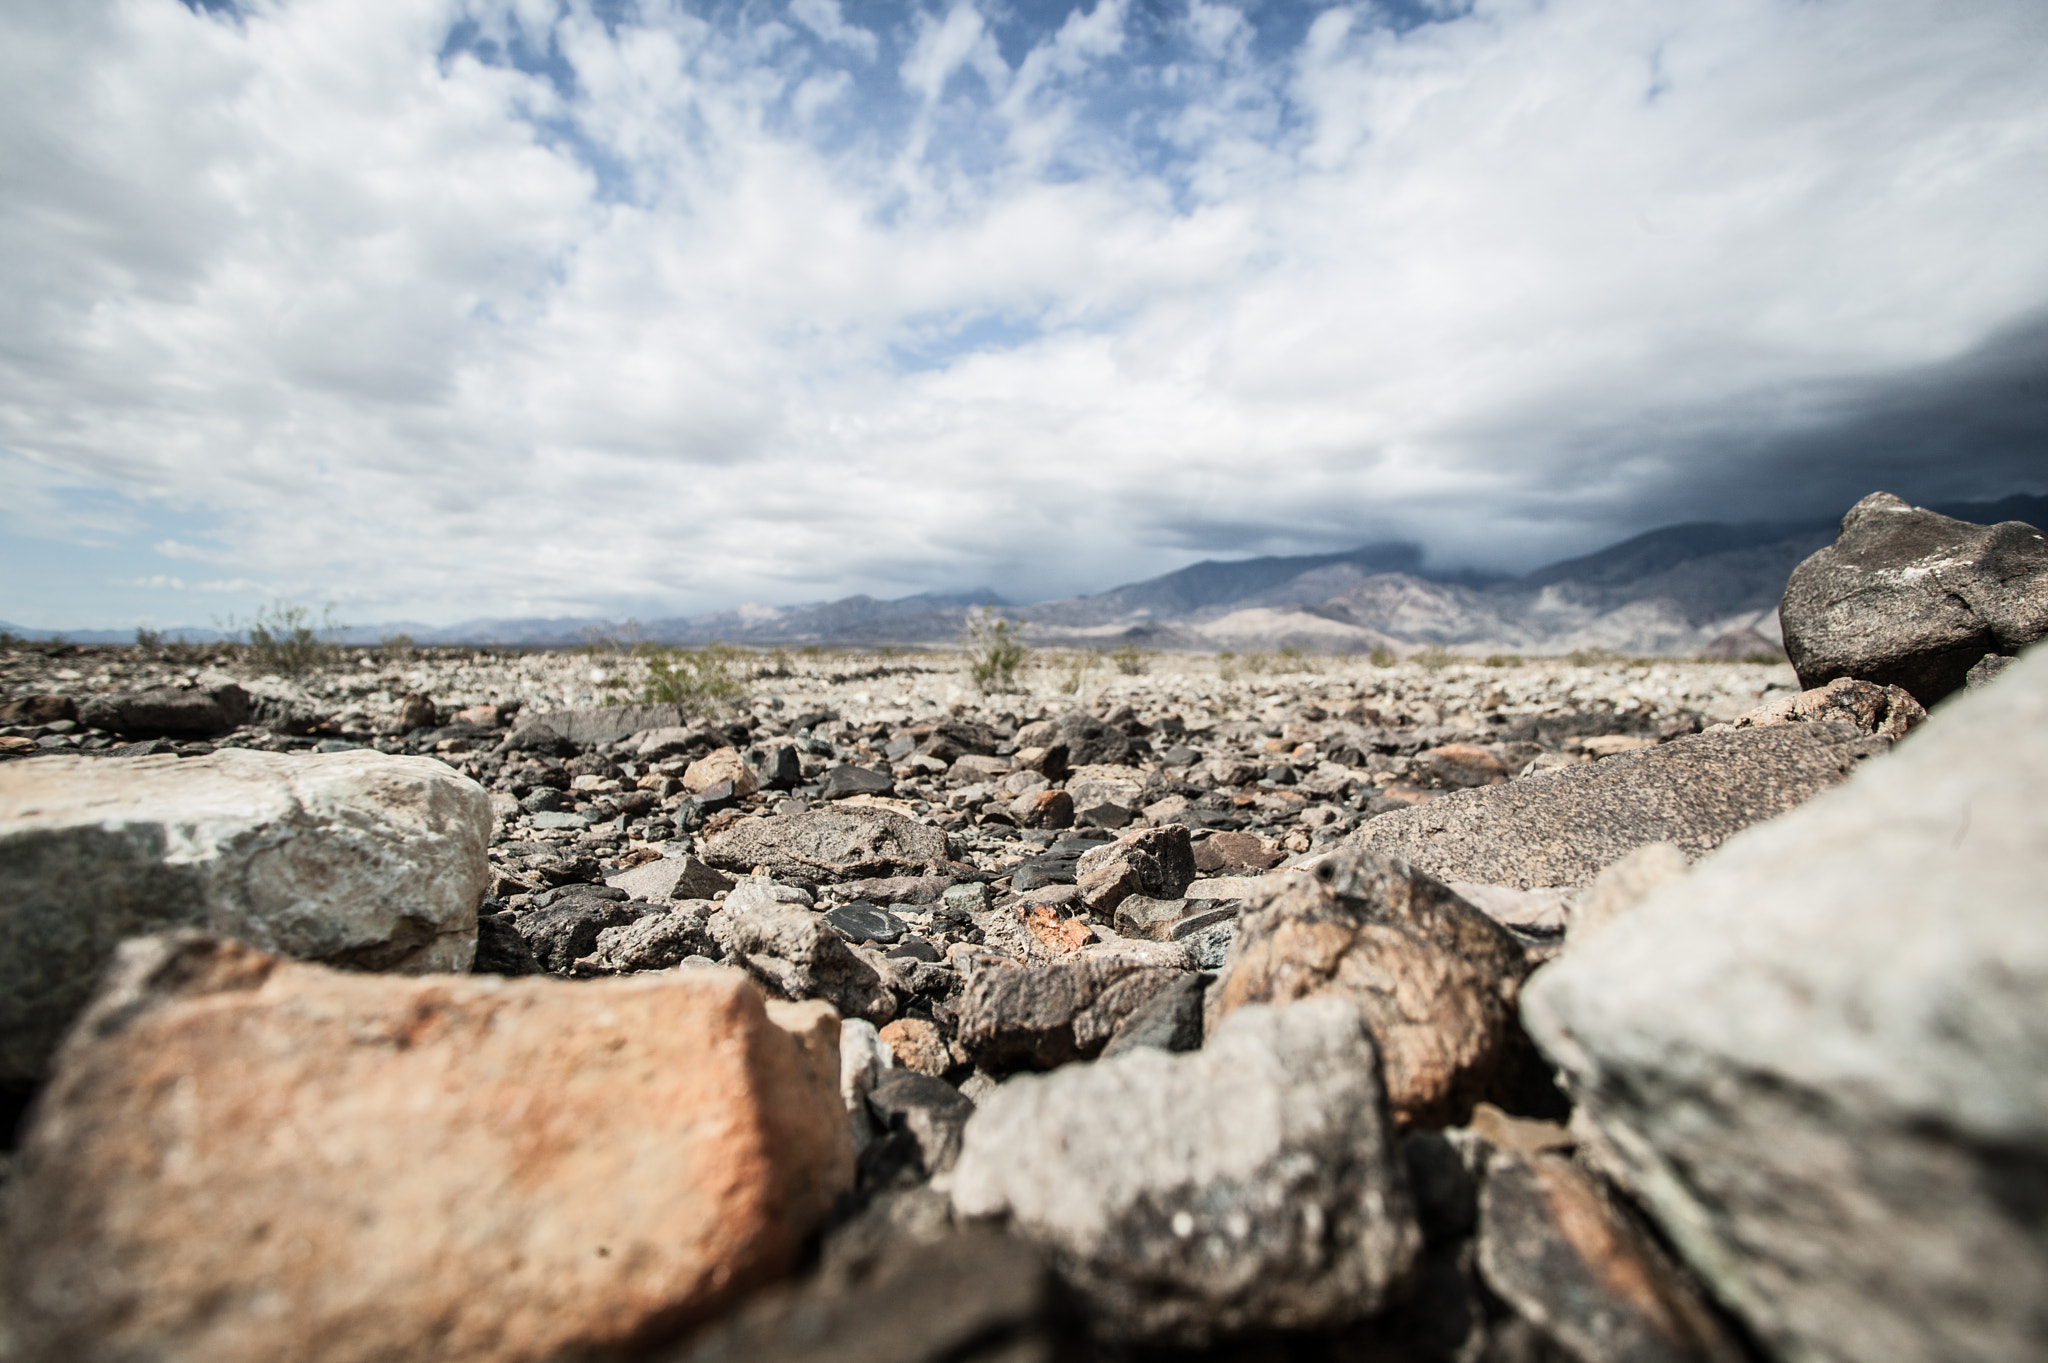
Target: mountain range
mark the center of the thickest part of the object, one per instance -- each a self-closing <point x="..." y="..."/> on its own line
<point x="1704" y="587"/>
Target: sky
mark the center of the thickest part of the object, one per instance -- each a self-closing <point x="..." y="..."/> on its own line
<point x="439" y="309"/>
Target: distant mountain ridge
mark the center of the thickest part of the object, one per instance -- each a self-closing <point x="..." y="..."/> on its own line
<point x="1674" y="590"/>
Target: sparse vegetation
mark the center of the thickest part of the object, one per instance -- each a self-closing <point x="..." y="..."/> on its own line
<point x="1503" y="660"/>
<point x="1129" y="660"/>
<point x="397" y="646"/>
<point x="148" y="640"/>
<point x="994" y="651"/>
<point x="282" y="637"/>
<point x="1435" y="657"/>
<point x="704" y="680"/>
<point x="1382" y="657"/>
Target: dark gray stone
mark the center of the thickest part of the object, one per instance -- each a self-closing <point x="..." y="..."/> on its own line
<point x="654" y="941"/>
<point x="843" y="781"/>
<point x="790" y="949"/>
<point x="822" y="846"/>
<point x="1171" y="1020"/>
<point x="169" y="711"/>
<point x="1014" y="1017"/>
<point x="500" y="950"/>
<point x="1908" y="597"/>
<point x="859" y="922"/>
<point x="1562" y="827"/>
<point x="1987" y="669"/>
<point x="920" y="1117"/>
<point x="1091" y="742"/>
<point x="565" y="933"/>
<point x="776" y="766"/>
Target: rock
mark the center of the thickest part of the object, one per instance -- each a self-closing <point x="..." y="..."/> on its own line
<point x="1091" y="742"/>
<point x="1088" y="787"/>
<point x="562" y="934"/>
<point x="895" y="889"/>
<point x="169" y="712"/>
<point x="655" y="941"/>
<point x="674" y="740"/>
<point x="357" y="859"/>
<point x="1986" y="669"/>
<point x="241" y="1158"/>
<point x="1460" y="765"/>
<point x="1248" y="1185"/>
<point x="792" y="951"/>
<point x="1435" y="979"/>
<point x="500" y="950"/>
<point x="603" y="724"/>
<point x="776" y="766"/>
<point x="865" y="923"/>
<point x="416" y="711"/>
<point x="1556" y="1250"/>
<point x="1043" y="809"/>
<point x="726" y="764"/>
<point x="1142" y="916"/>
<point x="1171" y="1020"/>
<point x="671" y="878"/>
<point x="1888" y="711"/>
<point x="824" y="845"/>
<point x="863" y="1059"/>
<point x="539" y="739"/>
<point x="761" y="892"/>
<point x="1534" y="912"/>
<point x="1158" y="862"/>
<point x="482" y="716"/>
<point x="1816" y="1058"/>
<point x="1227" y="853"/>
<point x="1104" y="816"/>
<point x="1243" y="888"/>
<point x="38" y="710"/>
<point x="918" y="1046"/>
<point x="843" y="781"/>
<point x="1039" y="1017"/>
<point x="1049" y="761"/>
<point x="1056" y="936"/>
<point x="921" y="1118"/>
<point x="980" y="1297"/>
<point x="1622" y="886"/>
<point x="1613" y="745"/>
<point x="1561" y="827"/>
<point x="1908" y="597"/>
<point x="975" y="767"/>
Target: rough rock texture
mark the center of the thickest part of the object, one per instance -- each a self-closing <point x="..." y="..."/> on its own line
<point x="1888" y="711"/>
<point x="568" y="930"/>
<point x="1016" y="1017"/>
<point x="1561" y="827"/>
<point x="170" y="711"/>
<point x="1909" y="597"/>
<point x="1158" y="862"/>
<point x="606" y="723"/>
<point x="824" y="845"/>
<point x="1171" y="1020"/>
<point x="726" y="764"/>
<point x="654" y="942"/>
<point x="792" y="950"/>
<point x="671" y="878"/>
<point x="1624" y="885"/>
<point x="1249" y="1184"/>
<point x="243" y="1158"/>
<point x="1555" y="1248"/>
<point x="973" y="1298"/>
<point x="356" y="859"/>
<point x="1435" y="979"/>
<point x="1232" y="854"/>
<point x="1816" y="1059"/>
<point x="918" y="1046"/>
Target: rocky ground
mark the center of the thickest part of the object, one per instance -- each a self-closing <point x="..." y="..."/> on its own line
<point x="1274" y="1008"/>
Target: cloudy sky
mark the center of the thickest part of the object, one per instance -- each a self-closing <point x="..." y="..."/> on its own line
<point x="443" y="308"/>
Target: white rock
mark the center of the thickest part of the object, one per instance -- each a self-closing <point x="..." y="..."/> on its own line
<point x="1817" y="1058"/>
<point x="353" y="858"/>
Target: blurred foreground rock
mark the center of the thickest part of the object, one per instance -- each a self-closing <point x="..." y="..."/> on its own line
<point x="355" y="859"/>
<point x="242" y="1158"/>
<point x="1817" y="1058"/>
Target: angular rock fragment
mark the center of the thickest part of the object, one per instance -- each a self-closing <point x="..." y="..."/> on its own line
<point x="820" y="846"/>
<point x="203" y="711"/>
<point x="1435" y="979"/>
<point x="1887" y="711"/>
<point x="918" y="1046"/>
<point x="725" y="764"/>
<point x="921" y="1118"/>
<point x="1171" y="1020"/>
<point x="797" y="955"/>
<point x="565" y="932"/>
<point x="1559" y="828"/>
<point x="1816" y="1058"/>
<point x="1556" y="1249"/>
<point x="671" y="878"/>
<point x="243" y="1159"/>
<point x="1908" y="597"/>
<point x="1158" y="862"/>
<point x="654" y="941"/>
<point x="846" y="780"/>
<point x="1248" y="1185"/>
<point x="1039" y="1017"/>
<point x="357" y="859"/>
<point x="1228" y="854"/>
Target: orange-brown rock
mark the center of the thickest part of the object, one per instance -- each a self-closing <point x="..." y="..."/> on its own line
<point x="726" y="764"/>
<point x="1461" y="765"/>
<point x="1229" y="854"/>
<point x="242" y="1158"/>
<point x="918" y="1046"/>
<point x="1436" y="979"/>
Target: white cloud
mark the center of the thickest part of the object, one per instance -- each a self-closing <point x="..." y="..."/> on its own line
<point x="438" y="338"/>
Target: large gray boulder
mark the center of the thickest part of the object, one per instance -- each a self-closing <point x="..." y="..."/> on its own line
<point x="820" y="846"/>
<point x="1909" y="597"/>
<point x="1559" y="828"/>
<point x="1248" y="1185"/>
<point x="355" y="859"/>
<point x="1817" y="1059"/>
